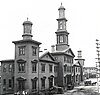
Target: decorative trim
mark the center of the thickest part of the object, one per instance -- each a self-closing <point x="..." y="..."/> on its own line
<point x="34" y="61"/>
<point x="35" y="78"/>
<point x="52" y="76"/>
<point x="21" y="78"/>
<point x="44" y="77"/>
<point x="21" y="61"/>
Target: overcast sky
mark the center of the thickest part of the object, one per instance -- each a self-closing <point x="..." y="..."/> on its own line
<point x="83" y="25"/>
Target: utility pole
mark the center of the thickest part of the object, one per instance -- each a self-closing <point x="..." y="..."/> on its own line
<point x="98" y="62"/>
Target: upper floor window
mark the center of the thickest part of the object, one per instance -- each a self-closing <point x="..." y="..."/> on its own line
<point x="65" y="68"/>
<point x="4" y="68"/>
<point x="0" y="79"/>
<point x="61" y="38"/>
<point x="69" y="69"/>
<point x="10" y="67"/>
<point x="4" y="81"/>
<point x="34" y="66"/>
<point x="56" y="58"/>
<point x="42" y="67"/>
<point x="21" y="67"/>
<point x="55" y="69"/>
<point x="50" y="68"/>
<point x="68" y="59"/>
<point x="34" y="53"/>
<point x="22" y="50"/>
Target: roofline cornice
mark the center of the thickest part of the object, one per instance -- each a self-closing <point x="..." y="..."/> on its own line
<point x="26" y="41"/>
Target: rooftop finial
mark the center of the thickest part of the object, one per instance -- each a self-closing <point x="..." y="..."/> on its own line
<point x="61" y="3"/>
<point x="27" y="18"/>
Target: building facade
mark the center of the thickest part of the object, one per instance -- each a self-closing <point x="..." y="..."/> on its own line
<point x="33" y="73"/>
<point x="7" y="76"/>
<point x="76" y="73"/>
<point x="81" y="61"/>
<point x="90" y="72"/>
<point x="62" y="51"/>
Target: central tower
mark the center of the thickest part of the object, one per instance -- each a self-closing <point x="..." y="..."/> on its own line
<point x="62" y="34"/>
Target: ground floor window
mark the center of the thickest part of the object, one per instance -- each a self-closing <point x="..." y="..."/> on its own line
<point x="65" y="80"/>
<point x="34" y="84"/>
<point x="10" y="83"/>
<point x="21" y="85"/>
<point x="50" y="82"/>
<point x="43" y="83"/>
<point x="69" y="79"/>
<point x="55" y="81"/>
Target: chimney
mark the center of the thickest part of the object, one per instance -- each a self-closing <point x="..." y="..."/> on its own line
<point x="52" y="48"/>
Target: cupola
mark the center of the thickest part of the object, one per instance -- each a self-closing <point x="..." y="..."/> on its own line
<point x="27" y="30"/>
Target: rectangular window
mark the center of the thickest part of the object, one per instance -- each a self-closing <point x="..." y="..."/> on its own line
<point x="10" y="67"/>
<point x="68" y="68"/>
<point x="55" y="69"/>
<point x="34" y="84"/>
<point x="4" y="81"/>
<point x="76" y="69"/>
<point x="10" y="83"/>
<point x="42" y="83"/>
<point x="61" y="39"/>
<point x="21" y="50"/>
<point x="50" y="68"/>
<point x="42" y="67"/>
<point x="65" y="68"/>
<point x="34" y="53"/>
<point x="0" y="79"/>
<point x="21" y="67"/>
<point x="65" y="80"/>
<point x="34" y="66"/>
<point x="4" y="67"/>
<point x="55" y="81"/>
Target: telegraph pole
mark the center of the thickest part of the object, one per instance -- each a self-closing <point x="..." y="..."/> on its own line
<point x="98" y="62"/>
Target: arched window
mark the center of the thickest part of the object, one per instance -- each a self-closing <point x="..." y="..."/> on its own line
<point x="61" y="39"/>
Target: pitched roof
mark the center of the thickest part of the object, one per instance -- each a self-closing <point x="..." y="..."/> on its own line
<point x="64" y="52"/>
<point x="50" y="59"/>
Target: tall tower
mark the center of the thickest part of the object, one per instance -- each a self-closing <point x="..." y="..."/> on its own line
<point x="62" y="34"/>
<point x="26" y="59"/>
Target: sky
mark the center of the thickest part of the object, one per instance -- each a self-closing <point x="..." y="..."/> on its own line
<point x="83" y="25"/>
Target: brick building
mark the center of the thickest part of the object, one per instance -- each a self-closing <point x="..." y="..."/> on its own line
<point x="33" y="73"/>
<point x="90" y="72"/>
<point x="77" y="73"/>
<point x="62" y="51"/>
